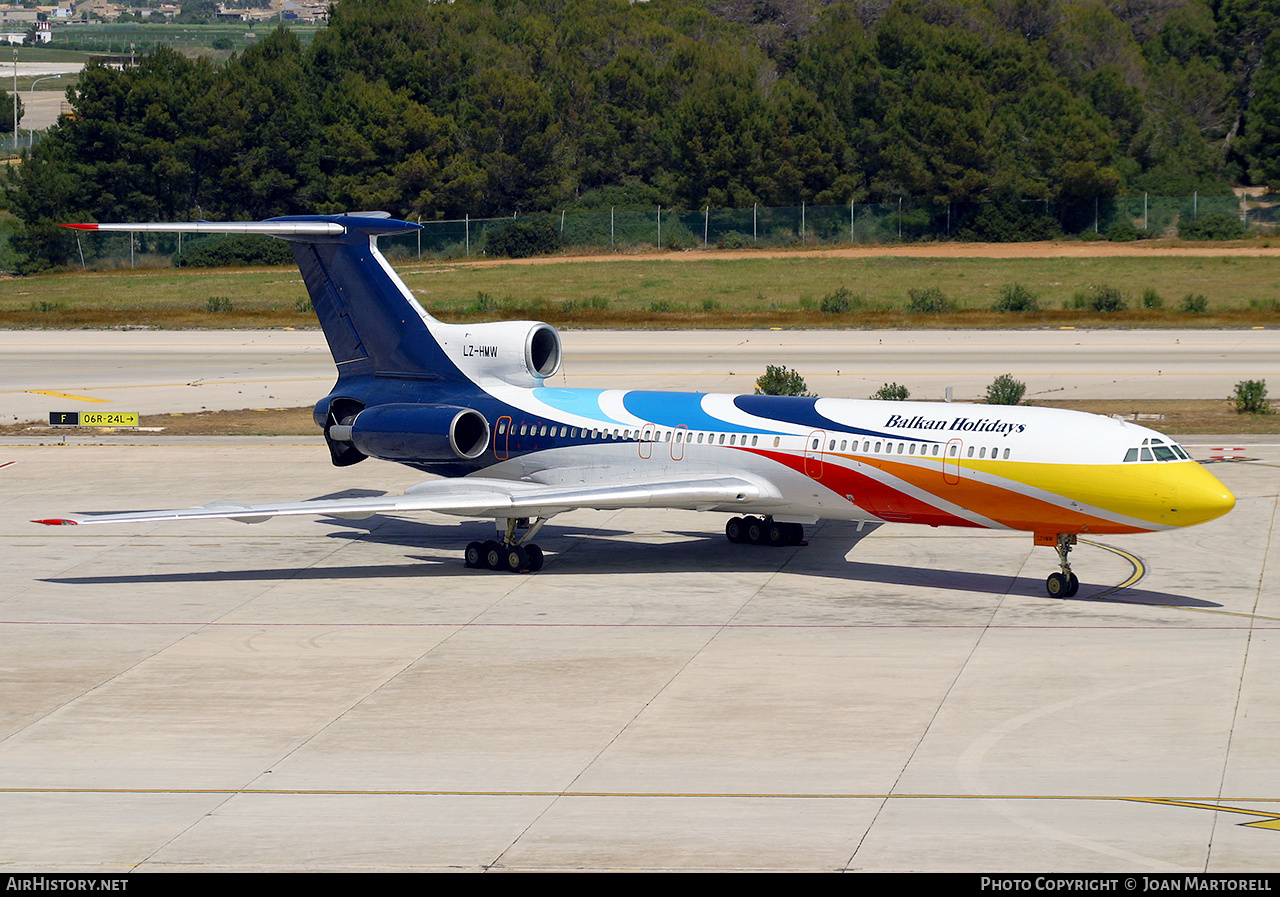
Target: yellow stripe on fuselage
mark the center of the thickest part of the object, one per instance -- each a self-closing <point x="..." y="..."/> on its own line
<point x="1067" y="498"/>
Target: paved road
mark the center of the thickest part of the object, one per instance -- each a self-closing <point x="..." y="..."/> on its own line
<point x="160" y="371"/>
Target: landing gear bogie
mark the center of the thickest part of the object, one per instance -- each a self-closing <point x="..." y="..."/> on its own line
<point x="763" y="531"/>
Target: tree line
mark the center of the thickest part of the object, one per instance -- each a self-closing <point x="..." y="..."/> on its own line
<point x="490" y="107"/>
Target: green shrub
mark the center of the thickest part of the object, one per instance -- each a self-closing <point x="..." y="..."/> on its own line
<point x="663" y="306"/>
<point x="840" y="302"/>
<point x="1014" y="297"/>
<point x="44" y="306"/>
<point x="234" y="251"/>
<point x="1005" y="390"/>
<point x="1194" y="304"/>
<point x="710" y="304"/>
<point x="1123" y="232"/>
<point x="781" y="381"/>
<point x="217" y="305"/>
<point x="1213" y="226"/>
<point x="483" y="303"/>
<point x="1251" y="397"/>
<point x="891" y="392"/>
<point x="929" y="301"/>
<point x="1101" y="298"/>
<point x="303" y="304"/>
<point x="1009" y="221"/>
<point x="1152" y="299"/>
<point x="533" y="235"/>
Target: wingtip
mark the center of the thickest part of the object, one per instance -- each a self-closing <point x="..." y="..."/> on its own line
<point x="82" y="226"/>
<point x="57" y="521"/>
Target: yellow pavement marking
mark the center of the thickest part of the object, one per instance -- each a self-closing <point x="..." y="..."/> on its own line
<point x="1139" y="569"/>
<point x="1268" y="820"/>
<point x="65" y="395"/>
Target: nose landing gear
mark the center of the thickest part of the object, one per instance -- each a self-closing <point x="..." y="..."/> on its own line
<point x="1064" y="584"/>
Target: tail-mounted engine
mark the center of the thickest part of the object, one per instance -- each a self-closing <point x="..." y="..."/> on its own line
<point x="409" y="432"/>
<point x="521" y="353"/>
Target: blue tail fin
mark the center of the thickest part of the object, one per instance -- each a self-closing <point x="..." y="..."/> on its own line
<point x="370" y="319"/>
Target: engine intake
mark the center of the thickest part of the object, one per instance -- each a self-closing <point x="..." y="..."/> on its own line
<point x="521" y="353"/>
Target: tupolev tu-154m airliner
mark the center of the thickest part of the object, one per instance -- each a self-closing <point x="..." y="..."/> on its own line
<point x="470" y="403"/>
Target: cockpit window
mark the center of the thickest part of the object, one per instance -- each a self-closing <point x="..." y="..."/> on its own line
<point x="1156" y="450"/>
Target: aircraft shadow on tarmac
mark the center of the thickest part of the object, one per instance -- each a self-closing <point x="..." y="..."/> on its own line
<point x="593" y="551"/>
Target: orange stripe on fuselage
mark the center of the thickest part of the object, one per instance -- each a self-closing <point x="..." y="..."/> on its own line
<point x="1006" y="507"/>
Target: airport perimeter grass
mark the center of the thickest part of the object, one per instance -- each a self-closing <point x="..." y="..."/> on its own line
<point x="673" y="292"/>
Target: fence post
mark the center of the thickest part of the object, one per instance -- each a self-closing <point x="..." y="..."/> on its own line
<point x="1144" y="209"/>
<point x="850" y="220"/>
<point x="659" y="227"/>
<point x="755" y="237"/>
<point x="467" y="230"/>
<point x="611" y="246"/>
<point x="706" y="225"/>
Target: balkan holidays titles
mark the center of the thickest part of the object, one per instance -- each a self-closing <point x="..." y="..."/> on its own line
<point x="972" y="425"/>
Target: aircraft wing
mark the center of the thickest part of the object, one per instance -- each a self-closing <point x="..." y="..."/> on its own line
<point x="477" y="497"/>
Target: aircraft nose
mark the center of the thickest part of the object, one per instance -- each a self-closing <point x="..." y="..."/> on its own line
<point x="1199" y="496"/>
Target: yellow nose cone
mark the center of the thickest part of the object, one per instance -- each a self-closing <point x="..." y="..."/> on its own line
<point x="1198" y="496"/>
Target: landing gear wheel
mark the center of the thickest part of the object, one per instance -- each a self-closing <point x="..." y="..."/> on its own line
<point x="1062" y="585"/>
<point x="493" y="555"/>
<point x="734" y="530"/>
<point x="756" y="531"/>
<point x="475" y="554"/>
<point x="535" y="557"/>
<point x="795" y="533"/>
<point x="515" y="559"/>
<point x="779" y="534"/>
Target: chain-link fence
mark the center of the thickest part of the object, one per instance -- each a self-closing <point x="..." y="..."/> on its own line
<point x="631" y="230"/>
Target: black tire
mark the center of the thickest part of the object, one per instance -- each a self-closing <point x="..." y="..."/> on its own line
<point x="515" y="559"/>
<point x="777" y="534"/>
<point x="474" y="555"/>
<point x="535" y="557"/>
<point x="756" y="531"/>
<point x="733" y="530"/>
<point x="493" y="555"/>
<point x="795" y="533"/>
<point x="1057" y="585"/>
<point x="1073" y="586"/>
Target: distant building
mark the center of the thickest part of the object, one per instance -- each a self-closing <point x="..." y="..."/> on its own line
<point x="43" y="35"/>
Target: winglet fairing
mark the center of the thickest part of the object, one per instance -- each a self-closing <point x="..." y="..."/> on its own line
<point x="470" y="403"/>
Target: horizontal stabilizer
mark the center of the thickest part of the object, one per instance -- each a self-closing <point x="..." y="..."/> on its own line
<point x="269" y="228"/>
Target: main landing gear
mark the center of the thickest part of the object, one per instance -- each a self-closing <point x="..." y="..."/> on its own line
<point x="515" y="554"/>
<point x="764" y="531"/>
<point x="1064" y="584"/>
